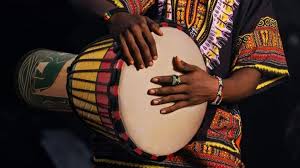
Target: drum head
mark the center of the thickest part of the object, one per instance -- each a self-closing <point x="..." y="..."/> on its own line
<point x="151" y="131"/>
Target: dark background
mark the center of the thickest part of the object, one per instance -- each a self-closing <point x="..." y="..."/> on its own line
<point x="270" y="119"/>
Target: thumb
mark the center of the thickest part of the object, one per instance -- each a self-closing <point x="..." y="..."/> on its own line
<point x="182" y="66"/>
<point x="154" y="27"/>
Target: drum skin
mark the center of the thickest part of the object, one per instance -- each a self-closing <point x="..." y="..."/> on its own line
<point x="156" y="133"/>
<point x="111" y="97"/>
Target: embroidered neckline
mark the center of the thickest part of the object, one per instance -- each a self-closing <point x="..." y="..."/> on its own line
<point x="210" y="23"/>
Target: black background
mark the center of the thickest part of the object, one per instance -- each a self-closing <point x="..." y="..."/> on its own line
<point x="270" y="119"/>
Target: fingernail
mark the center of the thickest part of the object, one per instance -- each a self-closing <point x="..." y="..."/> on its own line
<point x="150" y="63"/>
<point x="155" y="57"/>
<point x="154" y="79"/>
<point x="163" y="111"/>
<point x="152" y="91"/>
<point x="142" y="66"/>
<point x="156" y="102"/>
<point x="131" y="62"/>
<point x="161" y="32"/>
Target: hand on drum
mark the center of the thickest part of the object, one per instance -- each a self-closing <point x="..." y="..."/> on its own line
<point x="134" y="34"/>
<point x="194" y="87"/>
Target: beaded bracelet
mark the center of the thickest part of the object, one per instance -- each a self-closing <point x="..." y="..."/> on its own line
<point x="107" y="15"/>
<point x="219" y="97"/>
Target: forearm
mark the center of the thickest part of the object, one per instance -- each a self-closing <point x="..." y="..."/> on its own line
<point x="241" y="84"/>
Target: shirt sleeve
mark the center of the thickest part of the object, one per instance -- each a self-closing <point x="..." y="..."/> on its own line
<point x="258" y="43"/>
<point x="134" y="6"/>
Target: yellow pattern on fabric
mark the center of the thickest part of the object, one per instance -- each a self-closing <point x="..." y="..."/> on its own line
<point x="146" y="4"/>
<point x="263" y="50"/>
<point x="266" y="34"/>
<point x="281" y="72"/>
<point x="222" y="146"/>
<point x="120" y="163"/>
<point x="118" y="3"/>
<point x="262" y="85"/>
<point x="190" y="18"/>
<point x="206" y="21"/>
<point x="264" y="68"/>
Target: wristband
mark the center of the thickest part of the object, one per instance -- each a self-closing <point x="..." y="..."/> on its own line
<point x="107" y="15"/>
<point x="219" y="97"/>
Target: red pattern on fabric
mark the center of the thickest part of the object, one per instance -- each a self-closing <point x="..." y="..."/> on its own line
<point x="225" y="127"/>
<point x="207" y="156"/>
<point x="132" y="6"/>
<point x="262" y="46"/>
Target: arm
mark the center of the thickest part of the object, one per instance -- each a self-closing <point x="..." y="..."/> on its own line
<point x="241" y="84"/>
<point x="197" y="86"/>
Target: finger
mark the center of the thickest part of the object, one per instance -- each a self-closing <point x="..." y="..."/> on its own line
<point x="182" y="66"/>
<point x="150" y="41"/>
<point x="126" y="54"/>
<point x="169" y="99"/>
<point x="143" y="46"/>
<point x="168" y="90"/>
<point x="134" y="50"/>
<point x="167" y="80"/>
<point x="176" y="106"/>
<point x="154" y="27"/>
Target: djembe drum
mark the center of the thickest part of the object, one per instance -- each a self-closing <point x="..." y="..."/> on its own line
<point x="111" y="97"/>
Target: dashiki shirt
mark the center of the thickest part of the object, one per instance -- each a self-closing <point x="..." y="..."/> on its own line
<point x="231" y="35"/>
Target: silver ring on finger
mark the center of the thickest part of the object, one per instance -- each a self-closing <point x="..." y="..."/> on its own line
<point x="176" y="80"/>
